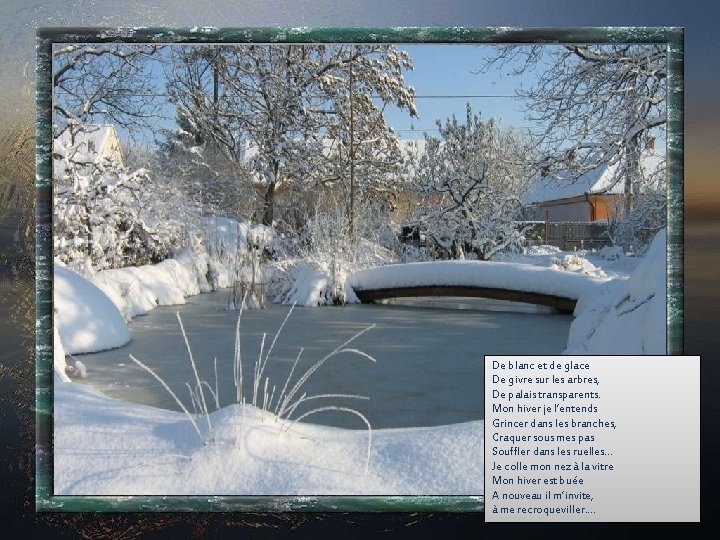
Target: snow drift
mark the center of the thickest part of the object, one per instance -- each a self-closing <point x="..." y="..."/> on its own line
<point x="86" y="319"/>
<point x="141" y="450"/>
<point x="625" y="316"/>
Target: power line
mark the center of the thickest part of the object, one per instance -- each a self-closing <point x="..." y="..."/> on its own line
<point x="469" y="96"/>
<point x="420" y="130"/>
<point x="443" y="96"/>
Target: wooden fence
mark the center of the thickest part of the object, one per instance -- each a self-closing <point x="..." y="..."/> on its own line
<point x="565" y="235"/>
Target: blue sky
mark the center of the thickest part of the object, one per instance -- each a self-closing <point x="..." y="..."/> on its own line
<point x="439" y="70"/>
<point x="451" y="70"/>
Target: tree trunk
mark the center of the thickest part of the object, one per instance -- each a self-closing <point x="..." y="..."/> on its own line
<point x="269" y="205"/>
<point x="269" y="201"/>
<point x="351" y="210"/>
<point x="632" y="174"/>
<point x="457" y="250"/>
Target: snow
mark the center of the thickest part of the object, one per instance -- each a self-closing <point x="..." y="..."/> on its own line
<point x="141" y="450"/>
<point x="90" y="146"/>
<point x="135" y="290"/>
<point x="598" y="180"/>
<point x="309" y="287"/>
<point x="501" y="275"/>
<point x="625" y="315"/>
<point x="93" y="309"/>
<point x="86" y="319"/>
<point x="59" y="365"/>
<point x="227" y="242"/>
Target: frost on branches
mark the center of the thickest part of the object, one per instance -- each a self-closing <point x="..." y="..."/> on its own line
<point x="188" y="164"/>
<point x="600" y="105"/>
<point x="634" y="229"/>
<point x="275" y="108"/>
<point x="98" y="212"/>
<point x="108" y="82"/>
<point x="472" y="178"/>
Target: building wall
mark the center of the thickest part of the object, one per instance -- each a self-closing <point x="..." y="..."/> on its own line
<point x="574" y="211"/>
<point x="111" y="148"/>
<point x="605" y="206"/>
<point x="597" y="207"/>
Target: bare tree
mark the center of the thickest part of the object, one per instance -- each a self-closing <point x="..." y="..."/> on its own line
<point x="107" y="82"/>
<point x="598" y="105"/>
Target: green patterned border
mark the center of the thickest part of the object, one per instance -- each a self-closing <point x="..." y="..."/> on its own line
<point x="44" y="498"/>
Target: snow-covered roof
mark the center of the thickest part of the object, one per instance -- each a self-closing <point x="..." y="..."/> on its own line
<point x="91" y="146"/>
<point x="90" y="140"/>
<point x="598" y="180"/>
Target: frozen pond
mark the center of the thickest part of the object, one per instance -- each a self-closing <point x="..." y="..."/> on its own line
<point x="429" y="368"/>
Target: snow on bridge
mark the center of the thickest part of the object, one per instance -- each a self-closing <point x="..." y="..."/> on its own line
<point x="506" y="281"/>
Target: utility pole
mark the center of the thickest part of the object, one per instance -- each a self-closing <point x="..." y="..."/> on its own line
<point x="351" y="210"/>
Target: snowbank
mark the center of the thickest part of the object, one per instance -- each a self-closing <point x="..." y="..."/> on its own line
<point x="140" y="450"/>
<point x="608" y="262"/>
<point x="625" y="316"/>
<point x="92" y="310"/>
<point x="86" y="319"/>
<point x="59" y="365"/>
<point x="137" y="290"/>
<point x="501" y="275"/>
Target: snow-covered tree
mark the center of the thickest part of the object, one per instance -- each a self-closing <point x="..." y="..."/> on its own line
<point x="275" y="106"/>
<point x="473" y="176"/>
<point x="598" y="105"/>
<point x="635" y="229"/>
<point x="185" y="163"/>
<point x="101" y="213"/>
<point x="249" y="101"/>
<point x="365" y="158"/>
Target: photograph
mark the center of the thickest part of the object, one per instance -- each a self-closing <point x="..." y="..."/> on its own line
<point x="275" y="266"/>
<point x="257" y="259"/>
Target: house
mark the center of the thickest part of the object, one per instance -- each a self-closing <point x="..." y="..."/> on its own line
<point x="594" y="196"/>
<point x="94" y="144"/>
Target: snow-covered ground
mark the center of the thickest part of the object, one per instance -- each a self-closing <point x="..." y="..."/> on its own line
<point x="109" y="447"/>
<point x="104" y="446"/>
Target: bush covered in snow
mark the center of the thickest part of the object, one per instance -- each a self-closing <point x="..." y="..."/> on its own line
<point x="326" y="252"/>
<point x="579" y="264"/>
<point x="85" y="318"/>
<point x="634" y="229"/>
<point x="611" y="253"/>
<point x="99" y="216"/>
